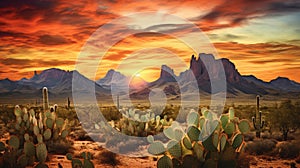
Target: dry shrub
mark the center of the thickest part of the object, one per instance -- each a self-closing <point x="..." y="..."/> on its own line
<point x="261" y="146"/>
<point x="107" y="157"/>
<point x="288" y="150"/>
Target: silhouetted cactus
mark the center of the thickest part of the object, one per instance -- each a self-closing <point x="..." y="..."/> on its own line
<point x="257" y="121"/>
<point x="69" y="103"/>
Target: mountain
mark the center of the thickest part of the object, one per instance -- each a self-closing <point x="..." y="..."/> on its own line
<point x="280" y="84"/>
<point x="112" y="77"/>
<point x="203" y="71"/>
<point x="120" y="83"/>
<point x="206" y="69"/>
<point x="58" y="82"/>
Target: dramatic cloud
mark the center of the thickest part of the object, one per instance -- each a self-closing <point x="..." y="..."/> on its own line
<point x="261" y="37"/>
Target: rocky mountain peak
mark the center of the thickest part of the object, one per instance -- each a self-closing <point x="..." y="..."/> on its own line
<point x="167" y="74"/>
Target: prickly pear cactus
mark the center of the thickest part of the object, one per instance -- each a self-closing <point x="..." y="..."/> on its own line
<point x="141" y="123"/>
<point x="41" y="152"/>
<point x="87" y="163"/>
<point x="206" y="142"/>
<point x="35" y="130"/>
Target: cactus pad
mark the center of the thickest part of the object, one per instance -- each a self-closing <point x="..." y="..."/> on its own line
<point x="60" y="122"/>
<point x="41" y="152"/>
<point x="237" y="141"/>
<point x="244" y="126"/>
<point x="224" y="120"/>
<point x="26" y="137"/>
<point x="64" y="133"/>
<point x="164" y="162"/>
<point x="156" y="148"/>
<point x="49" y="123"/>
<point x="88" y="164"/>
<point x="36" y="130"/>
<point x="47" y="134"/>
<point x="18" y="111"/>
<point x="29" y="149"/>
<point x="201" y="122"/>
<point x="193" y="133"/>
<point x="178" y="134"/>
<point x="39" y="138"/>
<point x="169" y="132"/>
<point x="199" y="151"/>
<point x="150" y="139"/>
<point x="230" y="128"/>
<point x="187" y="143"/>
<point x="231" y="113"/>
<point x="223" y="141"/>
<point x="14" y="142"/>
<point x="174" y="148"/>
<point x="193" y="118"/>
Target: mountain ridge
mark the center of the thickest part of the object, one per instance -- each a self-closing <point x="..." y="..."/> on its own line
<point x="59" y="82"/>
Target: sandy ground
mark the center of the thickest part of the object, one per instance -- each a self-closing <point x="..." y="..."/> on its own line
<point x="147" y="162"/>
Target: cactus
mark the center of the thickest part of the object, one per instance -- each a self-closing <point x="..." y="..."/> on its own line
<point x="14" y="142"/>
<point x="45" y="99"/>
<point x="29" y="149"/>
<point x="34" y="134"/>
<point x="257" y="121"/>
<point x="137" y="122"/>
<point x="118" y="102"/>
<point x="41" y="152"/>
<point x="207" y="142"/>
<point x="87" y="163"/>
<point x="69" y="103"/>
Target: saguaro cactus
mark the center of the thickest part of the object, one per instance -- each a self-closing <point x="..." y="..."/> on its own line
<point x="118" y="102"/>
<point x="69" y="102"/>
<point x="45" y="99"/>
<point x="258" y="123"/>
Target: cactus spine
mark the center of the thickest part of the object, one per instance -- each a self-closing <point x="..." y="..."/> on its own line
<point x="45" y="99"/>
<point x="258" y="123"/>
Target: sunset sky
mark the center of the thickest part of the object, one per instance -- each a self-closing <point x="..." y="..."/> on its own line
<point x="260" y="37"/>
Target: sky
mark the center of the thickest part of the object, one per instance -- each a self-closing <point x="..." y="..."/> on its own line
<point x="261" y="38"/>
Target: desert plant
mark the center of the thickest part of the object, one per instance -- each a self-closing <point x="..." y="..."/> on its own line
<point x="137" y="122"/>
<point x="258" y="123"/>
<point x="288" y="150"/>
<point x="108" y="157"/>
<point x="45" y="99"/>
<point x="207" y="141"/>
<point x="85" y="163"/>
<point x="286" y="118"/>
<point x="35" y="134"/>
<point x="260" y="146"/>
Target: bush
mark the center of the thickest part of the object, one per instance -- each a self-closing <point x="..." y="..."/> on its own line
<point x="108" y="157"/>
<point x="261" y="146"/>
<point x="288" y="150"/>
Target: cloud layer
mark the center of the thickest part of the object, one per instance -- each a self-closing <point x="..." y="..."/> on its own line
<point x="260" y="37"/>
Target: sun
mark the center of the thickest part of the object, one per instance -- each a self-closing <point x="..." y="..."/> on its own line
<point x="138" y="75"/>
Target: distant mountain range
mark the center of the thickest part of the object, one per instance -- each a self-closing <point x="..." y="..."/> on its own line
<point x="59" y="83"/>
